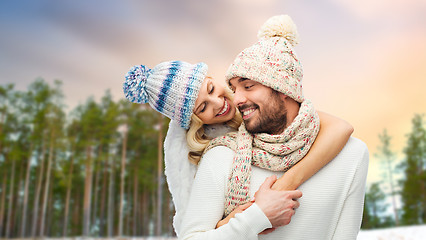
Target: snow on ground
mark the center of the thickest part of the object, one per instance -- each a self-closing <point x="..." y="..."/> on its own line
<point x="397" y="233"/>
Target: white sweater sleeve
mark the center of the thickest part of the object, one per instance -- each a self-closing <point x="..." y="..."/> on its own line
<point x="350" y="218"/>
<point x="206" y="204"/>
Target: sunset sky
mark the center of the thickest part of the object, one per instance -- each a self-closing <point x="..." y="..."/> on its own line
<point x="364" y="61"/>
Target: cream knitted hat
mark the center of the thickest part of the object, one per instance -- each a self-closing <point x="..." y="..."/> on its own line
<point x="272" y="61"/>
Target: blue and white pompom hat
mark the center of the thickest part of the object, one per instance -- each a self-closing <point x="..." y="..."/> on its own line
<point x="171" y="88"/>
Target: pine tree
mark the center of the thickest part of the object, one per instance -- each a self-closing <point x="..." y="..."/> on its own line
<point x="374" y="207"/>
<point x="72" y="133"/>
<point x="91" y="120"/>
<point x="41" y="197"/>
<point x="8" y="125"/>
<point x="55" y="121"/>
<point x="413" y="194"/>
<point x="38" y="100"/>
<point x="388" y="157"/>
<point x="11" y="202"/>
<point x="3" y="198"/>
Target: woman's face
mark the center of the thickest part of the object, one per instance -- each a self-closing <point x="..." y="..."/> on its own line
<point x="213" y="104"/>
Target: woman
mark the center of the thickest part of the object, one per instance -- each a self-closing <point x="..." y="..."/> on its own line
<point x="200" y="109"/>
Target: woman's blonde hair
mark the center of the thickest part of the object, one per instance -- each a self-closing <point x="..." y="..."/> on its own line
<point x="197" y="139"/>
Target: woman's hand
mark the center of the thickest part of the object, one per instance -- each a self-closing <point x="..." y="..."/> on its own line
<point x="239" y="209"/>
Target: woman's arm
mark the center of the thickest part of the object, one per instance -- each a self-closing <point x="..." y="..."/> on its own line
<point x="332" y="137"/>
<point x="239" y="209"/>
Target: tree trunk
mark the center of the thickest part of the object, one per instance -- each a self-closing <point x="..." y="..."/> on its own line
<point x="87" y="192"/>
<point x="422" y="177"/>
<point x="25" y="203"/>
<point x="3" y="189"/>
<point x="13" y="226"/>
<point x="127" y="218"/>
<point x="110" y="225"/>
<point x="135" y="200"/>
<point x="170" y="213"/>
<point x="68" y="194"/>
<point x="123" y="167"/>
<point x="103" y="197"/>
<point x="144" y="212"/>
<point x="37" y="194"/>
<point x="95" y="187"/>
<point x="392" y="192"/>
<point x="46" y="185"/>
<point x="3" y="202"/>
<point x="152" y="210"/>
<point x="76" y="219"/>
<point x="423" y="190"/>
<point x="160" y="178"/>
<point x="10" y="206"/>
<point x="17" y="211"/>
<point x="3" y="116"/>
<point x="49" y="214"/>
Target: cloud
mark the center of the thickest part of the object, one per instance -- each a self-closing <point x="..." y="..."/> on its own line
<point x="368" y="10"/>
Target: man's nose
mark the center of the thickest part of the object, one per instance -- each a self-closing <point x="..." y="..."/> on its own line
<point x="239" y="98"/>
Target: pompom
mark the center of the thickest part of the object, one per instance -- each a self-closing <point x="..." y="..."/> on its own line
<point x="135" y="84"/>
<point x="280" y="26"/>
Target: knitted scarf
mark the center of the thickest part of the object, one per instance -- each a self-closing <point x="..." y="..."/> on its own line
<point x="272" y="152"/>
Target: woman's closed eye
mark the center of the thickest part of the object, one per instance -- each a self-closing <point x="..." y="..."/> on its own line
<point x="203" y="107"/>
<point x="211" y="88"/>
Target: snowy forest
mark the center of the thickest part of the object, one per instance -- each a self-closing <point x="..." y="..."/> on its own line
<point x="407" y="193"/>
<point x="97" y="170"/>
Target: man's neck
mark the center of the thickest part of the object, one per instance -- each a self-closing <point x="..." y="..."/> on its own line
<point x="292" y="112"/>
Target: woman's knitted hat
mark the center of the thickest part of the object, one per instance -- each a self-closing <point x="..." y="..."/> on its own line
<point x="272" y="61"/>
<point x="171" y="88"/>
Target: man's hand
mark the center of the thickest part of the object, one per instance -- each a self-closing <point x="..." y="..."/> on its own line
<point x="278" y="206"/>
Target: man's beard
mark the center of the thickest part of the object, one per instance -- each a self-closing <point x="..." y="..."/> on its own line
<point x="272" y="119"/>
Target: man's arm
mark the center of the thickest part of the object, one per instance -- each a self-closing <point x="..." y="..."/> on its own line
<point x="351" y="216"/>
<point x="206" y="204"/>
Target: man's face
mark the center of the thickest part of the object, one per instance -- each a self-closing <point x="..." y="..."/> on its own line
<point x="263" y="109"/>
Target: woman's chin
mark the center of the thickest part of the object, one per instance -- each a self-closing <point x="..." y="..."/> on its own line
<point x="230" y="115"/>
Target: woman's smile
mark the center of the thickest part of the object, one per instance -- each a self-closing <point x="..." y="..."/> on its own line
<point x="225" y="109"/>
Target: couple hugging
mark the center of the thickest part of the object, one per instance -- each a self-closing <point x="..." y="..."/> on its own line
<point x="239" y="155"/>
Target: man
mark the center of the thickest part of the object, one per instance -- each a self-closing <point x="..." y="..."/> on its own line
<point x="266" y="79"/>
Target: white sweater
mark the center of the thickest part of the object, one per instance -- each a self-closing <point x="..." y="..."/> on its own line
<point x="331" y="206"/>
<point x="179" y="172"/>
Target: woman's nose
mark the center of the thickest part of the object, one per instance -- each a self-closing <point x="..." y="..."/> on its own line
<point x="217" y="102"/>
